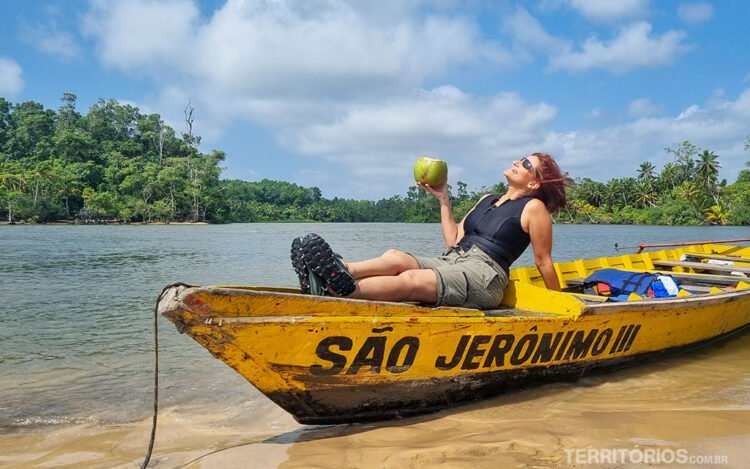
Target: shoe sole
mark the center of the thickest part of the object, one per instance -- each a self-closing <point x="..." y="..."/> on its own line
<point x="319" y="257"/>
<point x="300" y="268"/>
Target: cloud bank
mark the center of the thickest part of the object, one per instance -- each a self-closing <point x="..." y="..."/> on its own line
<point x="11" y="77"/>
<point x="366" y="90"/>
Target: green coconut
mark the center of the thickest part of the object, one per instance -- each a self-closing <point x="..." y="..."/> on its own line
<point x="431" y="171"/>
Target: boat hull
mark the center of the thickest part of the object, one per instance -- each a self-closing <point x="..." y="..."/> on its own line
<point x="335" y="360"/>
<point x="365" y="402"/>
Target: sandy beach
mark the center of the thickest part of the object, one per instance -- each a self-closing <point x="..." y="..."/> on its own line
<point x="684" y="403"/>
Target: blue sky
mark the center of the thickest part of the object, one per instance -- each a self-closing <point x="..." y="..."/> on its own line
<point x="345" y="95"/>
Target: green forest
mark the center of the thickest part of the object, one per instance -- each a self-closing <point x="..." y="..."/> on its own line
<point x="116" y="165"/>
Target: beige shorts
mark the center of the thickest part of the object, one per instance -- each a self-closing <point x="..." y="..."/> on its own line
<point x="470" y="279"/>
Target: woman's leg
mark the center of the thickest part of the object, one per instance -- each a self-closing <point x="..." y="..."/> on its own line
<point x="410" y="285"/>
<point x="390" y="263"/>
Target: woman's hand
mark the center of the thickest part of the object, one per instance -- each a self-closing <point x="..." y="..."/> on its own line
<point x="448" y="224"/>
<point x="440" y="192"/>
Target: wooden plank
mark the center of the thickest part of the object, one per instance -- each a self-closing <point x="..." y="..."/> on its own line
<point x="703" y="266"/>
<point x="696" y="288"/>
<point x="590" y="298"/>
<point x="703" y="279"/>
<point x="574" y="282"/>
<point x="718" y="257"/>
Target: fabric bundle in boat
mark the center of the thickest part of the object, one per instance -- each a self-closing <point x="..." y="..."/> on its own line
<point x="619" y="285"/>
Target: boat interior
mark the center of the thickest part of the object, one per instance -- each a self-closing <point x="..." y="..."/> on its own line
<point x="704" y="269"/>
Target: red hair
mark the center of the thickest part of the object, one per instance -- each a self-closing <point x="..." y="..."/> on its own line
<point x="552" y="183"/>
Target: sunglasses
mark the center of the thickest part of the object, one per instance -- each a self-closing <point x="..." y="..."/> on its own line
<point x="527" y="164"/>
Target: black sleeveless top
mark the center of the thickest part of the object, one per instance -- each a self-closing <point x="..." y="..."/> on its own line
<point x="497" y="230"/>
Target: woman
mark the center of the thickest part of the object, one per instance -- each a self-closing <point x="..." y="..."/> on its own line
<point x="473" y="272"/>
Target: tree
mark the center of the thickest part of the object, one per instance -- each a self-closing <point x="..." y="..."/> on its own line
<point x="13" y="181"/>
<point x="5" y="124"/>
<point x="645" y="194"/>
<point x="684" y="154"/>
<point x="715" y="214"/>
<point x="670" y="177"/>
<point x="110" y="121"/>
<point x="689" y="192"/>
<point x="647" y="172"/>
<point x="707" y="168"/>
<point x="68" y="119"/>
<point x="30" y="137"/>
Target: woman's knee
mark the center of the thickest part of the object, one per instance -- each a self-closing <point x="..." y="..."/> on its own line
<point x="394" y="253"/>
<point x="400" y="260"/>
<point x="420" y="283"/>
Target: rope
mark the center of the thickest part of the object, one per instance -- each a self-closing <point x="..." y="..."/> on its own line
<point x="156" y="372"/>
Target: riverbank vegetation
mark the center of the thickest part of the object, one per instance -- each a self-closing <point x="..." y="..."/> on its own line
<point x="115" y="164"/>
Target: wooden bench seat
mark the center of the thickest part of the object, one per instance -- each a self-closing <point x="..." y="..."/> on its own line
<point x="718" y="257"/>
<point x="703" y="266"/>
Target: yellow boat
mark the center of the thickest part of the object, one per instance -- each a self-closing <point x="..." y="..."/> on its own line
<point x="336" y="360"/>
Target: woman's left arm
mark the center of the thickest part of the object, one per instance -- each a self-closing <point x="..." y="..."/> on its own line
<point x="539" y="226"/>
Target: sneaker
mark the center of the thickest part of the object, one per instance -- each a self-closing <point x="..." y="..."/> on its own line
<point x="316" y="284"/>
<point x="322" y="261"/>
<point x="300" y="268"/>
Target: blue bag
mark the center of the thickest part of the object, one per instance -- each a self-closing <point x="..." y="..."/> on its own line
<point x="621" y="283"/>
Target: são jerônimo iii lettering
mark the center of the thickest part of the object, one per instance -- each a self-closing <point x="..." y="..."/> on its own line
<point x="377" y="354"/>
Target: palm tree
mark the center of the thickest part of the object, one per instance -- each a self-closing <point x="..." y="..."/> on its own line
<point x="41" y="175"/>
<point x="644" y="194"/>
<point x="670" y="176"/>
<point x="611" y="192"/>
<point x="647" y="172"/>
<point x="13" y="180"/>
<point x="583" y="207"/>
<point x="707" y="168"/>
<point x="592" y="192"/>
<point x="716" y="214"/>
<point x="688" y="191"/>
<point x="627" y="195"/>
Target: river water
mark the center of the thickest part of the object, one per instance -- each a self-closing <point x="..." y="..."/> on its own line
<point x="76" y="347"/>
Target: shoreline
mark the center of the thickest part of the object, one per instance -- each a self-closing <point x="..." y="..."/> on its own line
<point x="538" y="427"/>
<point x="119" y="223"/>
<point x="107" y="223"/>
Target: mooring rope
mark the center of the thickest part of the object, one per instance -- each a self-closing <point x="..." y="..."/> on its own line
<point x="156" y="372"/>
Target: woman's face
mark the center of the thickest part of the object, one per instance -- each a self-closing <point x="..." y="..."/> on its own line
<point x="523" y="171"/>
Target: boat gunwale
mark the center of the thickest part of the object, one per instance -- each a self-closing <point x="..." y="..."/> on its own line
<point x="409" y="310"/>
<point x="660" y="304"/>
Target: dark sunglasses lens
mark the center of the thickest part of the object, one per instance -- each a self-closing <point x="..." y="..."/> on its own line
<point x="527" y="164"/>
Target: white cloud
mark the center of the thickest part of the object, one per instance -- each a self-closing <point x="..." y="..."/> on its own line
<point x="699" y="12"/>
<point x="284" y="64"/>
<point x="143" y="35"/>
<point x="719" y="126"/>
<point x="634" y="47"/>
<point x="610" y="10"/>
<point x="642" y="107"/>
<point x="49" y="39"/>
<point x="528" y="33"/>
<point x="374" y="147"/>
<point x="11" y="77"/>
<point x="336" y="83"/>
<point x="593" y="114"/>
<point x="264" y="50"/>
<point x="380" y="142"/>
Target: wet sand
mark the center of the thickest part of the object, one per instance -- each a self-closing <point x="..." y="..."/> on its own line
<point x="697" y="402"/>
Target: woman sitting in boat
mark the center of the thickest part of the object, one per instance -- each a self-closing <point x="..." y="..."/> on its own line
<point x="473" y="272"/>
